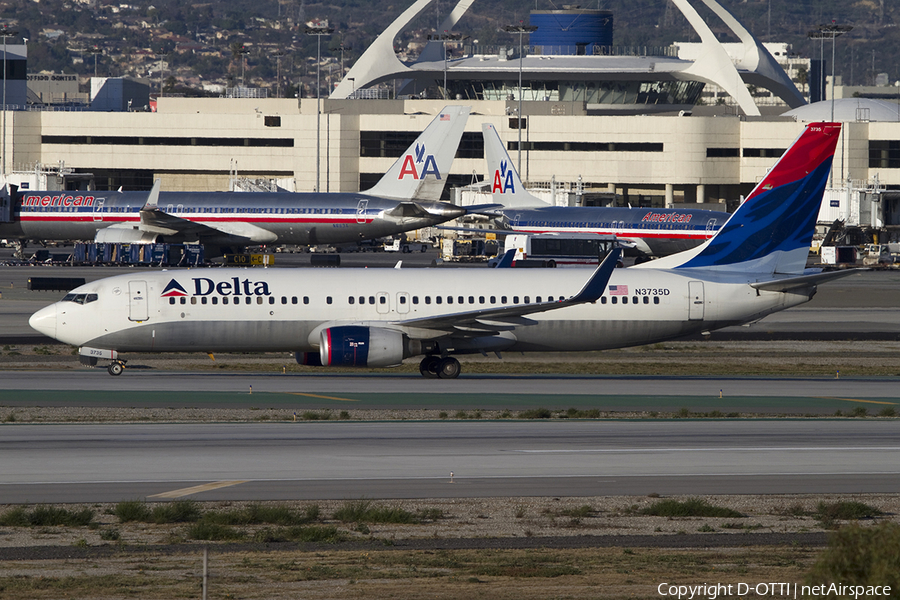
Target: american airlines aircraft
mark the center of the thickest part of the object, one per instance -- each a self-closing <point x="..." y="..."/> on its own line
<point x="234" y="220"/>
<point x="752" y="267"/>
<point x="649" y="231"/>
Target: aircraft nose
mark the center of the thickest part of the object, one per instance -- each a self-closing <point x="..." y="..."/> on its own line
<point x="44" y="321"/>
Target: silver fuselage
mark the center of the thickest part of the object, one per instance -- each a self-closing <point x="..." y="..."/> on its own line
<point x="224" y="217"/>
<point x="235" y="310"/>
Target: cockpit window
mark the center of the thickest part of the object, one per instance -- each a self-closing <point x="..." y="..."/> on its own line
<point x="80" y="298"/>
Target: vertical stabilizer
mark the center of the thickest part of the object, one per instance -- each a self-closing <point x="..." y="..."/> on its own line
<point x="772" y="230"/>
<point x="506" y="186"/>
<point x="421" y="172"/>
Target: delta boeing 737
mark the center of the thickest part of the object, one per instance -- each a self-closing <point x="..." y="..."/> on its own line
<point x="406" y="198"/>
<point x="752" y="267"/>
<point x="649" y="231"/>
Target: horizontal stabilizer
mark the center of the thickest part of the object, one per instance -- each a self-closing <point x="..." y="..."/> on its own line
<point x="803" y="281"/>
<point x="485" y="209"/>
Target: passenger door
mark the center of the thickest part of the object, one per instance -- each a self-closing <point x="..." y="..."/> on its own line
<point x="137" y="301"/>
<point x="98" y="209"/>
<point x="696" y="300"/>
<point x="361" y="209"/>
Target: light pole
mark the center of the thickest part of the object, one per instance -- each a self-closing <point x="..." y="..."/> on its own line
<point x="521" y="30"/>
<point x="5" y="32"/>
<point x="278" y="56"/>
<point x="160" y="55"/>
<point x="444" y="38"/>
<point x="318" y="29"/>
<point x="244" y="53"/>
<point x="95" y="51"/>
<point x="825" y="32"/>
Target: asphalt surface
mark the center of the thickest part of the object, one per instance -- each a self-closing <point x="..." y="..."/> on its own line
<point x="293" y="393"/>
<point x="277" y="461"/>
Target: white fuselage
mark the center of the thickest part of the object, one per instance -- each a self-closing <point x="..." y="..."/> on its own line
<point x="221" y="310"/>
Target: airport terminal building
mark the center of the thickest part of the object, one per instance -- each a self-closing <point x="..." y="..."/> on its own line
<point x="199" y="144"/>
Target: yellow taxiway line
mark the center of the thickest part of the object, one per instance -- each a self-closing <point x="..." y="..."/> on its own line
<point x="215" y="485"/>
<point x="324" y="397"/>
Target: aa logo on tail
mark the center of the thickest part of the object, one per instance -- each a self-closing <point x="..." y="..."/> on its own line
<point x="427" y="162"/>
<point x="503" y="180"/>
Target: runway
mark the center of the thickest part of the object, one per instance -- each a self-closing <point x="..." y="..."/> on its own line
<point x="293" y="392"/>
<point x="107" y="463"/>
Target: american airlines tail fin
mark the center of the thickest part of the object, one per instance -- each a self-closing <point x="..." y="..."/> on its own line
<point x="506" y="186"/>
<point x="772" y="230"/>
<point x="421" y="172"/>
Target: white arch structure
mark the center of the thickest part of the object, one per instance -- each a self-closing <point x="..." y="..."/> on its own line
<point x="756" y="65"/>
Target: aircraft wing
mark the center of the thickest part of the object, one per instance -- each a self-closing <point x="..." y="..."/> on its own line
<point x="488" y="321"/>
<point x="156" y="221"/>
<point x="159" y="222"/>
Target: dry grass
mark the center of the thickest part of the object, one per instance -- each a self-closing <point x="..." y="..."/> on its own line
<point x="496" y="574"/>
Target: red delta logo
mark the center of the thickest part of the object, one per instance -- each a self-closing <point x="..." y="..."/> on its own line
<point x="503" y="180"/>
<point x="427" y="162"/>
<point x="173" y="289"/>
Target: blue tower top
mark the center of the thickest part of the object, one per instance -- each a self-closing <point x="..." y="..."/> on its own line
<point x="573" y="31"/>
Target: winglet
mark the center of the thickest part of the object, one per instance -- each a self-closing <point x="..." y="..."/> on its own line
<point x="421" y="171"/>
<point x="507" y="261"/>
<point x="596" y="285"/>
<point x="153" y="196"/>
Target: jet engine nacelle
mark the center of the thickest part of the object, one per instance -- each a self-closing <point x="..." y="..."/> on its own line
<point x="356" y="346"/>
<point x="125" y="235"/>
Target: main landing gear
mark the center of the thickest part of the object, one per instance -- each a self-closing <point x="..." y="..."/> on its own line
<point x="433" y="367"/>
<point x="115" y="368"/>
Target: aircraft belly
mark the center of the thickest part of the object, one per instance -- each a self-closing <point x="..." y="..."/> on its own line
<point x="209" y="336"/>
<point x="11" y="231"/>
<point x="351" y="232"/>
<point x="61" y="231"/>
<point x="585" y="335"/>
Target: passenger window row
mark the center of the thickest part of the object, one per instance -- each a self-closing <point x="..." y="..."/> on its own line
<point x="84" y="299"/>
<point x="634" y="299"/>
<point x="237" y="300"/>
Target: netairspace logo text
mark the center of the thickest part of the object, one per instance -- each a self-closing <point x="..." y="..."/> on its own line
<point x="773" y="590"/>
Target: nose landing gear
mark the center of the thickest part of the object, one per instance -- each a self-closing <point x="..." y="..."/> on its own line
<point x="115" y="368"/>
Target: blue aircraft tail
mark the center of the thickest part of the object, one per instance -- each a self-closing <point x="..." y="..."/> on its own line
<point x="772" y="230"/>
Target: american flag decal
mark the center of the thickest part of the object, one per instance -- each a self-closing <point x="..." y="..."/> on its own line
<point x="618" y="290"/>
<point x="445" y="117"/>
